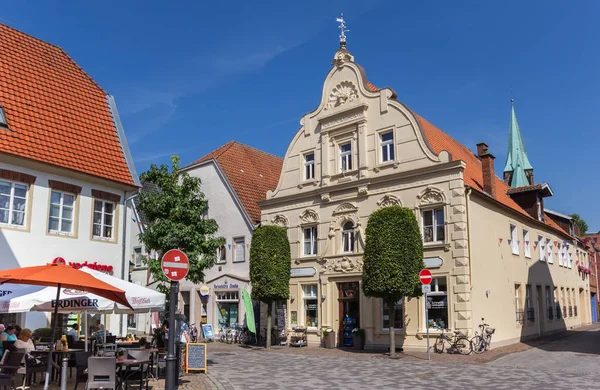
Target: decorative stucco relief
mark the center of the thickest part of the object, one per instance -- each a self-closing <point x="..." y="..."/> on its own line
<point x="345" y="208"/>
<point x="341" y="265"/>
<point x="344" y="92"/>
<point x="389" y="200"/>
<point x="280" y="220"/>
<point x="342" y="120"/>
<point x="309" y="216"/>
<point x="431" y="195"/>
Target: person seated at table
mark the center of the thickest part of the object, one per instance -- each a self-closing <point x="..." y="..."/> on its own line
<point x="7" y="335"/>
<point x="74" y="332"/>
<point x="24" y="342"/>
<point x="99" y="334"/>
<point x="17" y="330"/>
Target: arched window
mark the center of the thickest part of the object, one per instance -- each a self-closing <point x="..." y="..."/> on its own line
<point x="348" y="237"/>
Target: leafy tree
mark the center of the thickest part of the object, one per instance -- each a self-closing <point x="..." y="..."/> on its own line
<point x="175" y="219"/>
<point x="392" y="259"/>
<point x="580" y="222"/>
<point x="270" y="268"/>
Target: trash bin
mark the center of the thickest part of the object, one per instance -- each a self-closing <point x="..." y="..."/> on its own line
<point x="329" y="338"/>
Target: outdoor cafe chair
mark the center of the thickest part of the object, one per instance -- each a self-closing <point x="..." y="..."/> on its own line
<point x="141" y="371"/>
<point x="81" y="366"/>
<point x="31" y="368"/>
<point x="8" y="370"/>
<point x="102" y="373"/>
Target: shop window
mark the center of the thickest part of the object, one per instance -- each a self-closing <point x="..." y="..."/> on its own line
<point x="311" y="305"/>
<point x="513" y="238"/>
<point x="62" y="213"/>
<point x="526" y="244"/>
<point x="137" y="257"/>
<point x="13" y="201"/>
<point x="310" y="241"/>
<point x="132" y="320"/>
<point x="549" y="304"/>
<point x="240" y="250"/>
<point x="437" y="304"/>
<point x="557" y="309"/>
<point x="309" y="166"/>
<point x="103" y="221"/>
<point x="227" y="308"/>
<point x="542" y="248"/>
<point x="528" y="306"/>
<point x="387" y="146"/>
<point x="346" y="157"/>
<point x="348" y="237"/>
<point x="398" y="315"/>
<point x="518" y="308"/>
<point x="433" y="225"/>
<point x="549" y="251"/>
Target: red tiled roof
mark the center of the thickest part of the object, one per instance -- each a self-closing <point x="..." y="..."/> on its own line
<point x="56" y="113"/>
<point x="473" y="175"/>
<point x="250" y="171"/>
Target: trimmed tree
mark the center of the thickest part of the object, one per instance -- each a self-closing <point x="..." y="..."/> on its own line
<point x="580" y="222"/>
<point x="175" y="219"/>
<point x="270" y="268"/>
<point x="392" y="259"/>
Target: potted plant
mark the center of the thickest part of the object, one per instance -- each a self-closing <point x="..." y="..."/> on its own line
<point x="358" y="336"/>
<point x="328" y="338"/>
<point x="121" y="355"/>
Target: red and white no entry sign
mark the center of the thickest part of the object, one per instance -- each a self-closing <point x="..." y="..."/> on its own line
<point x="425" y="276"/>
<point x="175" y="265"/>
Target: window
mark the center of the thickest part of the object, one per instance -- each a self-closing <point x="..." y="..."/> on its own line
<point x="549" y="304"/>
<point x="311" y="305"/>
<point x="528" y="305"/>
<point x="13" y="199"/>
<point x="542" y="248"/>
<point x="433" y="225"/>
<point x="549" y="249"/>
<point x="240" y="250"/>
<point x="518" y="309"/>
<point x="346" y="157"/>
<point x="557" y="303"/>
<point x="103" y="220"/>
<point x="398" y="315"/>
<point x="3" y="122"/>
<point x="310" y="241"/>
<point x="569" y="258"/>
<point x="221" y="254"/>
<point x="309" y="166"/>
<point x="526" y="244"/>
<point x="387" y="146"/>
<point x="348" y="237"/>
<point x="513" y="238"/>
<point x="437" y="304"/>
<point x="132" y="320"/>
<point x="137" y="257"/>
<point x="227" y="308"/>
<point x="62" y="210"/>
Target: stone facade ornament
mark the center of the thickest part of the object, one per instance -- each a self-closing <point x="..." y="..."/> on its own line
<point x="325" y="198"/>
<point x="341" y="265"/>
<point x="362" y="191"/>
<point x="345" y="208"/>
<point x="389" y="200"/>
<point x="431" y="195"/>
<point x="344" y="92"/>
<point x="280" y="220"/>
<point x="309" y="216"/>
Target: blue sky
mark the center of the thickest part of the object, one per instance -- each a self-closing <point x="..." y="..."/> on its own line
<point x="189" y="76"/>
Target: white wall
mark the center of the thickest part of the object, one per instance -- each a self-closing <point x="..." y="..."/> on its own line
<point x="34" y="246"/>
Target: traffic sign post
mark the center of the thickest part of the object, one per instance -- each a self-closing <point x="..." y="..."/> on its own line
<point x="175" y="266"/>
<point x="426" y="278"/>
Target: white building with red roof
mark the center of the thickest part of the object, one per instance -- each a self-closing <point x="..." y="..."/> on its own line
<point x="66" y="171"/>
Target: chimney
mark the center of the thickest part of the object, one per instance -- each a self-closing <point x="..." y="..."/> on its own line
<point x="487" y="167"/>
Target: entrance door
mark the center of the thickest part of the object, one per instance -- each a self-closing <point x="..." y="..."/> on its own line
<point x="594" y="307"/>
<point x="349" y="312"/>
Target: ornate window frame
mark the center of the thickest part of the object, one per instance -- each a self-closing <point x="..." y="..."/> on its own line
<point x="432" y="198"/>
<point x="309" y="218"/>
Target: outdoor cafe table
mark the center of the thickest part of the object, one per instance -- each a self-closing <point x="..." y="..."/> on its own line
<point x="124" y="370"/>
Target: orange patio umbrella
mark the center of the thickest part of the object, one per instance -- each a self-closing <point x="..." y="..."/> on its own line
<point x="61" y="276"/>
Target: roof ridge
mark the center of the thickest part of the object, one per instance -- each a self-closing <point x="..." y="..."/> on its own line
<point x="258" y="150"/>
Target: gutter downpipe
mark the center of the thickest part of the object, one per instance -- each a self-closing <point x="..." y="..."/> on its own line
<point x="124" y="247"/>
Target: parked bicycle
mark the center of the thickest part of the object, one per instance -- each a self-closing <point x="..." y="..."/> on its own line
<point x="243" y="334"/>
<point x="481" y="342"/>
<point x="457" y="343"/>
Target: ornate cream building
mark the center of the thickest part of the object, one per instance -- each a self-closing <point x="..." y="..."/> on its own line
<point x="362" y="149"/>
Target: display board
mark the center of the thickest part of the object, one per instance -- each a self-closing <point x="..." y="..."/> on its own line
<point x="195" y="357"/>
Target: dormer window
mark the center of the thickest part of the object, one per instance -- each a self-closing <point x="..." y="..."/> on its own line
<point x="3" y="122"/>
<point x="346" y="157"/>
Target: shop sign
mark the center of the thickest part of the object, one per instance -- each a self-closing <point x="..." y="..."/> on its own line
<point x="225" y="286"/>
<point x="433" y="262"/>
<point x="436" y="302"/>
<point x="204" y="290"/>
<point x="299" y="272"/>
<point x="75" y="303"/>
<point x="95" y="266"/>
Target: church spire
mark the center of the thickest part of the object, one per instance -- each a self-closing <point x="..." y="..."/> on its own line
<point x="518" y="172"/>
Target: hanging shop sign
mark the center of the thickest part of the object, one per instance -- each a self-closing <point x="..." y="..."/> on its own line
<point x="300" y="272"/>
<point x="204" y="290"/>
<point x="433" y="262"/>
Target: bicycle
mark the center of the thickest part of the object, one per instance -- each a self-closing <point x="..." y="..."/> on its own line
<point x="481" y="342"/>
<point x="242" y="334"/>
<point x="459" y="343"/>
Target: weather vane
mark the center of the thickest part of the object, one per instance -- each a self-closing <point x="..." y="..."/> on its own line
<point x="343" y="29"/>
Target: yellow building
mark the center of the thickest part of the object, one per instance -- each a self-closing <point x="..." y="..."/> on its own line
<point x="362" y="149"/>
